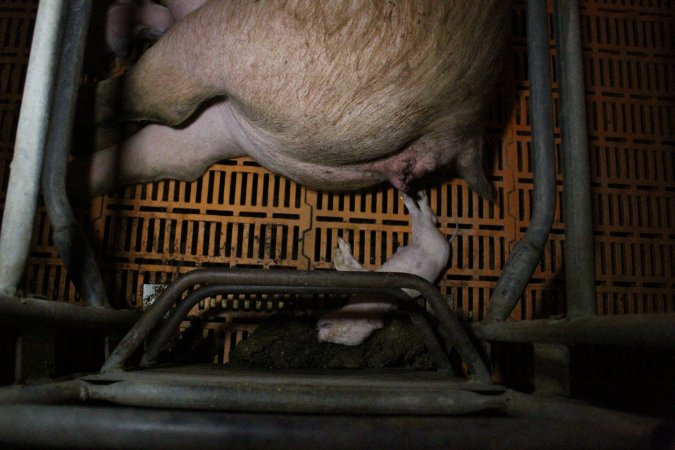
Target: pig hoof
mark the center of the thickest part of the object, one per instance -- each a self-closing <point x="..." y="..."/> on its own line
<point x="344" y="260"/>
<point x="119" y="27"/>
<point x="106" y="103"/>
<point x="126" y="20"/>
<point x="347" y="331"/>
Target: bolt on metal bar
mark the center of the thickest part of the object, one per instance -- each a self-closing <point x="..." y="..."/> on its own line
<point x="527" y="253"/>
<point x="69" y="237"/>
<point x="178" y="314"/>
<point x="24" y="179"/>
<point x="577" y="208"/>
<point x="450" y="329"/>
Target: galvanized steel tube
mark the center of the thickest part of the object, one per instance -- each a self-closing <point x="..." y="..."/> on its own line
<point x="577" y="208"/>
<point x="69" y="238"/>
<point x="634" y="330"/>
<point x="47" y="313"/>
<point x="24" y="179"/>
<point x="527" y="253"/>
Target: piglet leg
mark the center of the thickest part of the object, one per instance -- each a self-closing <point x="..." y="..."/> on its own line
<point x="344" y="261"/>
<point x="426" y="256"/>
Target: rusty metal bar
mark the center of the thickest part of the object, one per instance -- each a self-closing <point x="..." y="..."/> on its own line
<point x="450" y="328"/>
<point x="638" y="330"/>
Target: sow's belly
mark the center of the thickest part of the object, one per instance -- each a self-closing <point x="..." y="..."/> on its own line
<point x="316" y="168"/>
<point x="389" y="92"/>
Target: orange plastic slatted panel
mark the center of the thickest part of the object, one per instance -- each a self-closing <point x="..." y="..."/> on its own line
<point x="239" y="214"/>
<point x="236" y="215"/>
<point x="629" y="59"/>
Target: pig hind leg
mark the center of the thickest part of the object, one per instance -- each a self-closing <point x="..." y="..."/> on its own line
<point x="172" y="79"/>
<point x="426" y="256"/>
<point x="160" y="152"/>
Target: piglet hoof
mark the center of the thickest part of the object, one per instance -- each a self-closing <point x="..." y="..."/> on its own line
<point x="344" y="261"/>
<point x="342" y="327"/>
<point x="419" y="209"/>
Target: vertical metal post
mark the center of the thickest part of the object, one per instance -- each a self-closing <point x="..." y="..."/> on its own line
<point x="578" y="215"/>
<point x="69" y="238"/>
<point x="24" y="180"/>
<point x="527" y="253"/>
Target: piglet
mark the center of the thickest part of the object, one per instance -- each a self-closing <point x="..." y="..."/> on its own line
<point x="426" y="256"/>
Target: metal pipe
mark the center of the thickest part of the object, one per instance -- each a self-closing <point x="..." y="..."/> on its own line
<point x="450" y="328"/>
<point x="577" y="207"/>
<point x="51" y="313"/>
<point x="295" y="398"/>
<point x="21" y="201"/>
<point x="60" y="392"/>
<point x="526" y="254"/>
<point x="170" y="326"/>
<point x="69" y="238"/>
<point x="640" y="330"/>
<point x="51" y="426"/>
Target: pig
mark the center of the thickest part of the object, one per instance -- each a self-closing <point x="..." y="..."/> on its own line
<point x="426" y="256"/>
<point x="334" y="94"/>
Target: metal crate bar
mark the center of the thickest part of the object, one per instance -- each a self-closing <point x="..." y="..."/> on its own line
<point x="170" y="326"/>
<point x="69" y="238"/>
<point x="24" y="179"/>
<point x="46" y="313"/>
<point x="577" y="207"/>
<point x="451" y="330"/>
<point x="636" y="330"/>
<point x="526" y="254"/>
